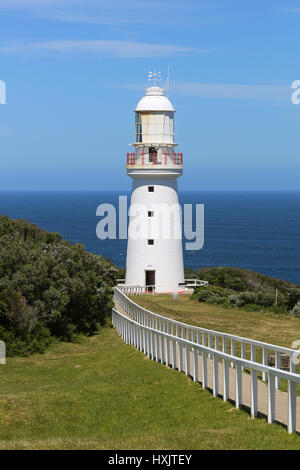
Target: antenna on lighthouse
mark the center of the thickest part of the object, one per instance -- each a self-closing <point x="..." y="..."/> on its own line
<point x="167" y="87"/>
<point x="155" y="76"/>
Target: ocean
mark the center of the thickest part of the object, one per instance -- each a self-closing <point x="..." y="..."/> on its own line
<point x="249" y="229"/>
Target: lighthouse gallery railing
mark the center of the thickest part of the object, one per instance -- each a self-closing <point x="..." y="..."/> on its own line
<point x="154" y="334"/>
<point x="164" y="159"/>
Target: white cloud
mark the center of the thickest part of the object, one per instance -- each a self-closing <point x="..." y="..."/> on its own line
<point x="102" y="12"/>
<point x="131" y="4"/>
<point x="290" y="10"/>
<point x="225" y="90"/>
<point x="128" y="49"/>
<point x="28" y="4"/>
<point x="107" y="19"/>
<point x="234" y="91"/>
<point x="5" y="132"/>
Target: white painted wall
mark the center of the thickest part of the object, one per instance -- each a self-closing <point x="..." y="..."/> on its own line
<point x="155" y="126"/>
<point x="165" y="256"/>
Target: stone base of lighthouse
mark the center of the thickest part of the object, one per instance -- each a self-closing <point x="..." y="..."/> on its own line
<point x="154" y="249"/>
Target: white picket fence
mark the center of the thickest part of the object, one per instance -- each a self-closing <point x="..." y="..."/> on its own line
<point x="151" y="289"/>
<point x="157" y="335"/>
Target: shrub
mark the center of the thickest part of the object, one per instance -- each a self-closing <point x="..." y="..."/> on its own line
<point x="239" y="300"/>
<point x="37" y="341"/>
<point x="245" y="289"/>
<point x="296" y="310"/>
<point x="240" y="280"/>
<point x="49" y="285"/>
<point x="293" y="297"/>
<point x="210" y="294"/>
<point x="223" y="277"/>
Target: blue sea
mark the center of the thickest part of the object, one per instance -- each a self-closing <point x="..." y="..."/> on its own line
<point x="253" y="230"/>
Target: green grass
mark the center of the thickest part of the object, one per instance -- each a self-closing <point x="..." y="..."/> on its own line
<point x="104" y="394"/>
<point x="279" y="329"/>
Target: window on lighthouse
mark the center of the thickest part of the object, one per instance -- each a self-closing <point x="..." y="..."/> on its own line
<point x="152" y="155"/>
<point x="150" y="242"/>
<point x="138" y="128"/>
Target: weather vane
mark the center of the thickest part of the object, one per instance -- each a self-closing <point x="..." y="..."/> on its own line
<point x="155" y="76"/>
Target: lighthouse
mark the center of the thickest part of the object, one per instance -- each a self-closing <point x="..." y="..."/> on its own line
<point x="154" y="248"/>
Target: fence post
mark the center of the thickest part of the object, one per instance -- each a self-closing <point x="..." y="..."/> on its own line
<point x="292" y="397"/>
<point x="232" y="351"/>
<point x="243" y="352"/>
<point x="277" y="365"/>
<point x="157" y="346"/>
<point x="162" y="347"/>
<point x="265" y="363"/>
<point x="238" y="386"/>
<point x="187" y="360"/>
<point x="225" y="380"/>
<point x="204" y="369"/>
<point x="153" y="345"/>
<point x="195" y="375"/>
<point x="215" y="376"/>
<point x="180" y="356"/>
<point x="224" y="340"/>
<point x="199" y="340"/>
<point x="253" y="393"/>
<point x="168" y="352"/>
<point x="174" y="354"/>
<point x="142" y="348"/>
<point x="148" y="344"/>
<point x="209" y="345"/>
<point x="271" y="397"/>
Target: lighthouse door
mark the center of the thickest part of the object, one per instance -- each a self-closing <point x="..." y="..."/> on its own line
<point x="150" y="280"/>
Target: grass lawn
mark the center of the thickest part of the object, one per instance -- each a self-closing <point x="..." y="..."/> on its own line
<point x="279" y="329"/>
<point x="104" y="394"/>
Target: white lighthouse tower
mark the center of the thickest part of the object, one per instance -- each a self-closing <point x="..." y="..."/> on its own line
<point x="154" y="250"/>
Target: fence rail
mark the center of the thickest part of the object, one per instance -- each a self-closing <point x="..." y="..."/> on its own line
<point x="189" y="283"/>
<point x="141" y="327"/>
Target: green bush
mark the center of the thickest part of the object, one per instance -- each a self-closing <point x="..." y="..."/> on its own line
<point x="296" y="310"/>
<point x="293" y="297"/>
<point x="244" y="289"/>
<point x="210" y="294"/>
<point x="240" y="280"/>
<point x="223" y="277"/>
<point x="244" y="298"/>
<point x="37" y="341"/>
<point x="252" y="298"/>
<point x="46" y="282"/>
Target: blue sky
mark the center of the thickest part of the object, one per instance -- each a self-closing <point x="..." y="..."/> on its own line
<point x="74" y="71"/>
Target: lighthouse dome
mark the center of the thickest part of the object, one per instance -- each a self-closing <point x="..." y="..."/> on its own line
<point x="154" y="100"/>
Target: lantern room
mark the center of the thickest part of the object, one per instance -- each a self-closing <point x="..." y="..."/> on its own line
<point x="154" y="119"/>
<point x="154" y="133"/>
